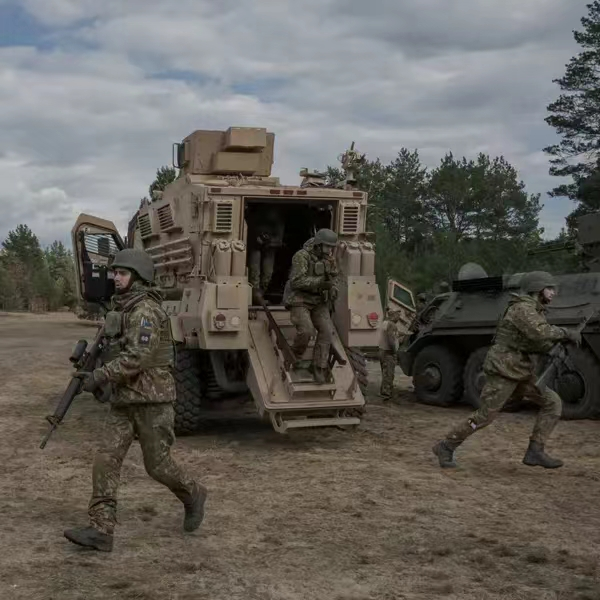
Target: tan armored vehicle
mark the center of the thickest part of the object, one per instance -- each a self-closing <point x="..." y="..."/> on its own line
<point x="197" y="232"/>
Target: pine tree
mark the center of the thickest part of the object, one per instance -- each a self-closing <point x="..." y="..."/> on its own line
<point x="574" y="116"/>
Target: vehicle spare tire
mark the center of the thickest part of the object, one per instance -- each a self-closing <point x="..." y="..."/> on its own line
<point x="188" y="386"/>
<point x="578" y="385"/>
<point x="438" y="376"/>
<point x="473" y="376"/>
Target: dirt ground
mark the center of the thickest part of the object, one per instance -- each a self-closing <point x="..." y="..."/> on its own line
<point x="320" y="514"/>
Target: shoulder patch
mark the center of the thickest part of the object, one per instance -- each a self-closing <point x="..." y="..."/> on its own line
<point x="145" y="336"/>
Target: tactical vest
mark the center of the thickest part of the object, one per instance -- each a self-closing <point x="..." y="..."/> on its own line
<point x="163" y="356"/>
<point x="509" y="337"/>
<point x="317" y="267"/>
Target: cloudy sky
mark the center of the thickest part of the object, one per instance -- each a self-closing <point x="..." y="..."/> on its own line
<point x="93" y="93"/>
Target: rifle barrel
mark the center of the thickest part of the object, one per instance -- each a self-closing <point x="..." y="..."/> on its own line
<point x="74" y="388"/>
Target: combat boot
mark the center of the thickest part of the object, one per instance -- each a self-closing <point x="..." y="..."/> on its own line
<point x="194" y="511"/>
<point x="535" y="456"/>
<point x="90" y="537"/>
<point x="319" y="374"/>
<point x="445" y="453"/>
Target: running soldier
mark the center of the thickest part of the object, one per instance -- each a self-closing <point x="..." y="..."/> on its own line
<point x="509" y="368"/>
<point x="138" y="369"/>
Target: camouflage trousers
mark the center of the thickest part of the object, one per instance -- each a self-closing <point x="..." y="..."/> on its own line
<point x="261" y="263"/>
<point x="496" y="392"/>
<point x="305" y="318"/>
<point x="153" y="425"/>
<point x="387" y="360"/>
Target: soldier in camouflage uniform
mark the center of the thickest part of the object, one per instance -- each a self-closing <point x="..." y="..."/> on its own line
<point x="309" y="295"/>
<point x="266" y="237"/>
<point x="391" y="335"/>
<point x="510" y="371"/>
<point x="137" y="367"/>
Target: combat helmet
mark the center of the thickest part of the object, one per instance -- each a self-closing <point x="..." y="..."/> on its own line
<point x="535" y="281"/>
<point x="138" y="261"/>
<point x="326" y="237"/>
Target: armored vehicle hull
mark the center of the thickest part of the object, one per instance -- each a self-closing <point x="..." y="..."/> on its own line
<point x="445" y="356"/>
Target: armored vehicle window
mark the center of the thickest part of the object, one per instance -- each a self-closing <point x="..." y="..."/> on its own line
<point x="403" y="296"/>
<point x="100" y="246"/>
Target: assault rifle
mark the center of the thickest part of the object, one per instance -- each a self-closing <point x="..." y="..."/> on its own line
<point x="334" y="350"/>
<point x="83" y="359"/>
<point x="558" y="357"/>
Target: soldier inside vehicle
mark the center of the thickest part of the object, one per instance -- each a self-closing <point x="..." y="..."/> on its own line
<point x="272" y="241"/>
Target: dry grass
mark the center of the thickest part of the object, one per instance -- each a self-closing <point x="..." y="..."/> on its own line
<point x="355" y="515"/>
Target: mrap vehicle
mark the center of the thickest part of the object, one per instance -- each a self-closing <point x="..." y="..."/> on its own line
<point x="229" y="351"/>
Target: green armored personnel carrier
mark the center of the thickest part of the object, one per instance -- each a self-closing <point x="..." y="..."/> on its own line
<point x="445" y="356"/>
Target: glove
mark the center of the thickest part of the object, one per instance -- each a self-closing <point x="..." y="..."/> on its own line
<point x="89" y="383"/>
<point x="103" y="393"/>
<point x="573" y="336"/>
<point x="326" y="285"/>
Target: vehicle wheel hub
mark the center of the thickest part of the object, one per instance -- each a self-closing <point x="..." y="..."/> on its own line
<point x="570" y="387"/>
<point x="432" y="378"/>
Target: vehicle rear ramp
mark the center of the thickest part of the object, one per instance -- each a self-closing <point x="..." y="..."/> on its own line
<point x="287" y="393"/>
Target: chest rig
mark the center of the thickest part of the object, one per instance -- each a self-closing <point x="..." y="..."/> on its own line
<point x="508" y="336"/>
<point x="117" y="323"/>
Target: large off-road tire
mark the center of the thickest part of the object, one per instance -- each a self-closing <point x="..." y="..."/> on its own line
<point x="474" y="377"/>
<point x="188" y="385"/>
<point x="579" y="388"/>
<point x="358" y="361"/>
<point x="438" y="376"/>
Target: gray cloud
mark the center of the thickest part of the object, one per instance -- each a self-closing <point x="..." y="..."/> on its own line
<point x="84" y="126"/>
<point x="433" y="27"/>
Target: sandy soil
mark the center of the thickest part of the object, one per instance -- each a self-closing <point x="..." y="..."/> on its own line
<point x="321" y="514"/>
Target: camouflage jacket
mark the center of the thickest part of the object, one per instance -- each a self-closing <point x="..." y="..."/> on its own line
<point x="522" y="332"/>
<point x="391" y="335"/>
<point x="139" y="360"/>
<point x="304" y="284"/>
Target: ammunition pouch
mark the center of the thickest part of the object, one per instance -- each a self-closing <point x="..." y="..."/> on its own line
<point x="113" y="324"/>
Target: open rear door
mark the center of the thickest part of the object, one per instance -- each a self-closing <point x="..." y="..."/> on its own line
<point x="95" y="243"/>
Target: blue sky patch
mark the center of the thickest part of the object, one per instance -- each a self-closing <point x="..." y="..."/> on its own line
<point x="19" y="28"/>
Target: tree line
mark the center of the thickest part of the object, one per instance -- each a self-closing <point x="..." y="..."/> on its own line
<point x="429" y="222"/>
<point x="32" y="278"/>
